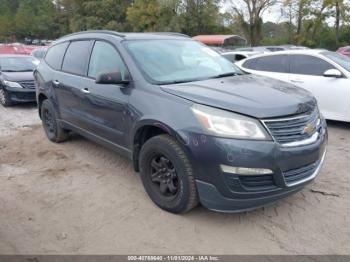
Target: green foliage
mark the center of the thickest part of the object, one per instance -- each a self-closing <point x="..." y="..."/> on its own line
<point x="143" y="15"/>
<point x="305" y="22"/>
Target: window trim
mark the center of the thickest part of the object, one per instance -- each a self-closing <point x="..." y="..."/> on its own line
<point x="115" y="48"/>
<point x="89" y="52"/>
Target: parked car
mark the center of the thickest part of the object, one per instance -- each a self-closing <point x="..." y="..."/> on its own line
<point x="196" y="127"/>
<point x="325" y="74"/>
<point x="293" y="47"/>
<point x="16" y="79"/>
<point x="39" y="53"/>
<point x="219" y="49"/>
<point x="235" y="56"/>
<point x="344" y="51"/>
<point x="36" y="42"/>
<point x="262" y="49"/>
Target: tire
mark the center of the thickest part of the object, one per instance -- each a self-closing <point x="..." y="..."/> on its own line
<point x="173" y="189"/>
<point x="5" y="98"/>
<point x="53" y="130"/>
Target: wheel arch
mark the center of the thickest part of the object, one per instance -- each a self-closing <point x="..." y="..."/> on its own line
<point x="146" y="130"/>
<point x="41" y="98"/>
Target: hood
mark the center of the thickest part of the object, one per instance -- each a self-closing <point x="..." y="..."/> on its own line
<point x="256" y="96"/>
<point x="18" y="76"/>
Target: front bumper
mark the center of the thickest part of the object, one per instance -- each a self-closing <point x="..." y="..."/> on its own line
<point x="212" y="199"/>
<point x="21" y="95"/>
<point x="292" y="169"/>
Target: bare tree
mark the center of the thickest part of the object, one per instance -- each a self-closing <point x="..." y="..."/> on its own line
<point x="295" y="11"/>
<point x="249" y="14"/>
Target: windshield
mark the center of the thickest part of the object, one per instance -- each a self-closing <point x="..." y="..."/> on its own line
<point x="17" y="64"/>
<point x="341" y="60"/>
<point x="176" y="61"/>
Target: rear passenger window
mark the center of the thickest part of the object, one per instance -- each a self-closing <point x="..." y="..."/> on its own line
<point x="308" y="65"/>
<point x="274" y="63"/>
<point x="105" y="59"/>
<point x="77" y="57"/>
<point x="250" y="64"/>
<point x="55" y="55"/>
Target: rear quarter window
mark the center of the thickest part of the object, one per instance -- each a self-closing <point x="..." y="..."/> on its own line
<point x="55" y="55"/>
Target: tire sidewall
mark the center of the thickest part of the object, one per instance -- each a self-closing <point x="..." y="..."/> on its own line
<point x="153" y="147"/>
<point x="47" y="105"/>
<point x="6" y="101"/>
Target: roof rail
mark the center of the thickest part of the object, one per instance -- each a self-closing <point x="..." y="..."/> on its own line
<point x="95" y="31"/>
<point x="168" y="33"/>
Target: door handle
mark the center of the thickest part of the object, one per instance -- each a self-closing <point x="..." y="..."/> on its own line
<point x="56" y="82"/>
<point x="85" y="91"/>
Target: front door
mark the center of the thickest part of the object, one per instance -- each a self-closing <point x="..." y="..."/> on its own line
<point x="107" y="104"/>
<point x="332" y="94"/>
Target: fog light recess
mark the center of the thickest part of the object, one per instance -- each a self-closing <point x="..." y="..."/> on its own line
<point x="245" y="171"/>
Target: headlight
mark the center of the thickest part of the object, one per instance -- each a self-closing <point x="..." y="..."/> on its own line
<point x="12" y="84"/>
<point x="226" y="124"/>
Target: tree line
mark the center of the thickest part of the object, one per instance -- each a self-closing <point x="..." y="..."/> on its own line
<point x="314" y="23"/>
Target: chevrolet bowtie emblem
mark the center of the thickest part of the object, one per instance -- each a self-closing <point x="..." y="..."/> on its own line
<point x="308" y="129"/>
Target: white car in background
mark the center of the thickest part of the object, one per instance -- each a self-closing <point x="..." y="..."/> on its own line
<point x="325" y="74"/>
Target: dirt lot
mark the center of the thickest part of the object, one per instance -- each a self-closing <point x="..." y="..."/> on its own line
<point x="79" y="198"/>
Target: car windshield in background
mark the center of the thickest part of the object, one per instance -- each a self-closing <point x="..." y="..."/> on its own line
<point x="342" y="60"/>
<point x="17" y="64"/>
<point x="39" y="54"/>
<point x="177" y="61"/>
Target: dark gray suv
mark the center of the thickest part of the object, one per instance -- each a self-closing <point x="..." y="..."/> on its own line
<point x="196" y="128"/>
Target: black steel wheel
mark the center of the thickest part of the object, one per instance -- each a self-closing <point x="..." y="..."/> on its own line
<point x="164" y="176"/>
<point x="53" y="130"/>
<point x="167" y="174"/>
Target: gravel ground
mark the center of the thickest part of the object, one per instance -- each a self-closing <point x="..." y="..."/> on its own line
<point x="80" y="198"/>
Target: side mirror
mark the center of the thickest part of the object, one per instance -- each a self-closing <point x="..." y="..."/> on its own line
<point x="333" y="73"/>
<point x="110" y="78"/>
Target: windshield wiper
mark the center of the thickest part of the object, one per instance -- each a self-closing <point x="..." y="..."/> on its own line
<point x="227" y="74"/>
<point x="16" y="71"/>
<point x="179" y="81"/>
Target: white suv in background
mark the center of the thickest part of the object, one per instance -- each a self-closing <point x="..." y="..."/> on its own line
<point x="325" y="74"/>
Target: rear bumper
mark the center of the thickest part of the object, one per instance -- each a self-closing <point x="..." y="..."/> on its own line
<point x="21" y="95"/>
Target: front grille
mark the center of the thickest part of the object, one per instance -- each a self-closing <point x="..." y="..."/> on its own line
<point x="27" y="84"/>
<point x="295" y="175"/>
<point x="288" y="130"/>
<point x="259" y="182"/>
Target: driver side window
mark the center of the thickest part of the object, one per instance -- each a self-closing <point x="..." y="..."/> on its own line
<point x="104" y="59"/>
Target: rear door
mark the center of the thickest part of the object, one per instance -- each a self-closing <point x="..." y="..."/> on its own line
<point x="331" y="93"/>
<point x="69" y="83"/>
<point x="275" y="66"/>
